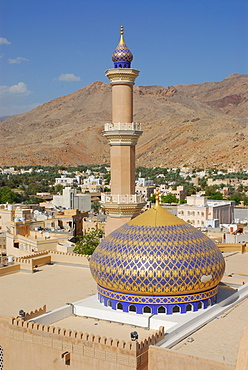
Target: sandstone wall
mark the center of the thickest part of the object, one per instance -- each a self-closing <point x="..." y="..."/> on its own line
<point x="167" y="359"/>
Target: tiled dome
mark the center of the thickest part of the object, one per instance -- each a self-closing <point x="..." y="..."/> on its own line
<point x="159" y="259"/>
<point x="122" y="56"/>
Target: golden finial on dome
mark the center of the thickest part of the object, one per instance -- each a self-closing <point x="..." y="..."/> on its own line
<point x="157" y="197"/>
<point x="121" y="42"/>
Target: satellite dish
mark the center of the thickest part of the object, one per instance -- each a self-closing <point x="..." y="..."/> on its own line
<point x="46" y="235"/>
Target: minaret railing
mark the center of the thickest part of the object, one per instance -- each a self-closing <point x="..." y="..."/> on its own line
<point x="121" y="198"/>
<point x="134" y="126"/>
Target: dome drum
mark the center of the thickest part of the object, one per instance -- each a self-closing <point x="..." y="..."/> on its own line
<point x="157" y="304"/>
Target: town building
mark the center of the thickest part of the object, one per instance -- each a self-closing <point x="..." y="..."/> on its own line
<point x="70" y="199"/>
<point x="202" y="212"/>
<point x="28" y="230"/>
<point x="92" y="184"/>
<point x="68" y="181"/>
<point x="180" y="191"/>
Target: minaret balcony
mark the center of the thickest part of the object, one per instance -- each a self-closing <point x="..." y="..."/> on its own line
<point x="122" y="133"/>
<point x="121" y="198"/>
<point x="126" y="205"/>
<point x="122" y="126"/>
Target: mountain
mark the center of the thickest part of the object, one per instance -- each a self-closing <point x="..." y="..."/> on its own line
<point x="3" y="118"/>
<point x="199" y="125"/>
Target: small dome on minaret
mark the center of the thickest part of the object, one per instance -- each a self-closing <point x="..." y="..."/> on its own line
<point x="122" y="56"/>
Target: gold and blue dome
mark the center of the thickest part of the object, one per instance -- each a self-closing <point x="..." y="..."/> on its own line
<point x="122" y="56"/>
<point x="157" y="263"/>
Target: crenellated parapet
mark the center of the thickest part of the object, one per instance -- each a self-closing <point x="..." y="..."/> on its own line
<point x="35" y="328"/>
<point x="33" y="313"/>
<point x="30" y="256"/>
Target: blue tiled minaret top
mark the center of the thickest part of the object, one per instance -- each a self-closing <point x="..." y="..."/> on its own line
<point x="122" y="56"/>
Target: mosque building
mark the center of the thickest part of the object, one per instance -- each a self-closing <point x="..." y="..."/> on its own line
<point x="149" y="271"/>
<point x="155" y="262"/>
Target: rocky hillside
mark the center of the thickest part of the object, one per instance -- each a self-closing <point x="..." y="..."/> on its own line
<point x="199" y="125"/>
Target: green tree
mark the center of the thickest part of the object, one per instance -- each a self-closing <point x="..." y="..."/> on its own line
<point x="216" y="196"/>
<point x="95" y="206"/>
<point x="152" y="198"/>
<point x="169" y="198"/>
<point x="183" y="201"/>
<point x="236" y="198"/>
<point x="8" y="196"/>
<point x="88" y="242"/>
<point x="211" y="193"/>
<point x="59" y="188"/>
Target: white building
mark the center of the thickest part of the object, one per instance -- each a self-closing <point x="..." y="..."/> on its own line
<point x="92" y="180"/>
<point x="144" y="182"/>
<point x="71" y="200"/>
<point x="67" y="181"/>
<point x="201" y="212"/>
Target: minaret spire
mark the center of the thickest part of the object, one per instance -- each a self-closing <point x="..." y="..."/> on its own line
<point x="122" y="41"/>
<point x="122" y="56"/>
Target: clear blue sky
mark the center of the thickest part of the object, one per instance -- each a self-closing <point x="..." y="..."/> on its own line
<point x="51" y="48"/>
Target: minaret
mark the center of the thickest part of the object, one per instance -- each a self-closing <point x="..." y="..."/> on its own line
<point x="122" y="204"/>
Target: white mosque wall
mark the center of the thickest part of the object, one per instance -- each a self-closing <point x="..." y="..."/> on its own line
<point x="54" y="315"/>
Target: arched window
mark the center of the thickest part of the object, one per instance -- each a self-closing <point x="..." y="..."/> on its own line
<point x="209" y="302"/>
<point x="147" y="309"/>
<point x="199" y="305"/>
<point x="109" y="303"/>
<point x="189" y="307"/>
<point x="176" y="309"/>
<point x="119" y="306"/>
<point x="132" y="308"/>
<point x="161" y="309"/>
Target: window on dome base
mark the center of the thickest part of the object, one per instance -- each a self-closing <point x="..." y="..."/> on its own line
<point x="109" y="303"/>
<point x="119" y="306"/>
<point x="199" y="305"/>
<point x="132" y="308"/>
<point x="161" y="309"/>
<point x="146" y="309"/>
<point x="189" y="307"/>
<point x="176" y="309"/>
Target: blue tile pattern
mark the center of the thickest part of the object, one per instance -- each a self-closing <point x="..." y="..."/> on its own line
<point x="166" y="260"/>
<point x="122" y="53"/>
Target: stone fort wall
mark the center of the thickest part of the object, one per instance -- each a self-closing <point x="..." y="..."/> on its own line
<point x="28" y="345"/>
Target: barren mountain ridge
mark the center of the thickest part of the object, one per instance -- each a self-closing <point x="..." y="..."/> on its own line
<point x="201" y="125"/>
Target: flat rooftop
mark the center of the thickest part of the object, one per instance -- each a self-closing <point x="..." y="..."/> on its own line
<point x="53" y="285"/>
<point x="103" y="328"/>
<point x="219" y="339"/>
